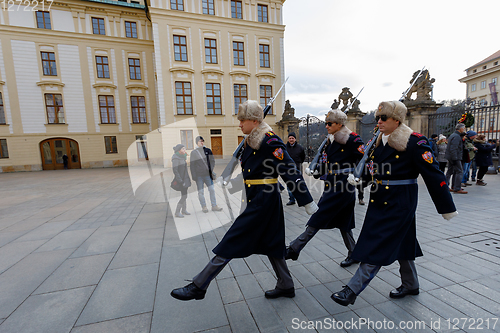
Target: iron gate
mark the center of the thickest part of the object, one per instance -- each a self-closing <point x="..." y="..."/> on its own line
<point x="312" y="132"/>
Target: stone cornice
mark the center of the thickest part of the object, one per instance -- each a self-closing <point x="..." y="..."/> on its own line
<point x="104" y="85"/>
<point x="181" y="69"/>
<point x="211" y="70"/>
<point x="266" y="74"/>
<point x="240" y="73"/>
<point x="136" y="86"/>
<point x="50" y="83"/>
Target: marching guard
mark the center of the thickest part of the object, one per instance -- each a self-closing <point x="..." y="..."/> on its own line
<point x="389" y="229"/>
<point x="260" y="228"/>
<point x="336" y="207"/>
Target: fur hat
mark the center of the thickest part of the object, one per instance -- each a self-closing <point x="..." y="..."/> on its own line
<point x="336" y="116"/>
<point x="250" y="110"/>
<point x="392" y="109"/>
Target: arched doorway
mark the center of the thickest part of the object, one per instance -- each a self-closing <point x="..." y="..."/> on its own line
<point x="53" y="151"/>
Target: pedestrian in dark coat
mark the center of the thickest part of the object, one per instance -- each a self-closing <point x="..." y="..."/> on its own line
<point x="343" y="151"/>
<point x="454" y="155"/>
<point x="260" y="229"/>
<point x="389" y="229"/>
<point x="298" y="155"/>
<point x="483" y="157"/>
<point x="181" y="175"/>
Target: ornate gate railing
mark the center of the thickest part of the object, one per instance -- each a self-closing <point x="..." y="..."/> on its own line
<point x="312" y="132"/>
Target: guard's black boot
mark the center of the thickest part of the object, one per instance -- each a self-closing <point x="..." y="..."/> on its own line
<point x="401" y="292"/>
<point x="344" y="297"/>
<point x="189" y="292"/>
<point x="276" y="292"/>
<point x="348" y="262"/>
<point x="291" y="254"/>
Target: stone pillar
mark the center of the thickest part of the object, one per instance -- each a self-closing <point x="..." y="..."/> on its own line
<point x="417" y="117"/>
<point x="354" y="121"/>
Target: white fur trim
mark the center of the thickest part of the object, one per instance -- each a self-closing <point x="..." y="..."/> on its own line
<point x="398" y="138"/>
<point x="342" y="135"/>
<point x="254" y="139"/>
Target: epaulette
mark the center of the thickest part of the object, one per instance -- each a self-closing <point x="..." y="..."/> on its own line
<point x="418" y="135"/>
<point x="270" y="133"/>
<point x="354" y="133"/>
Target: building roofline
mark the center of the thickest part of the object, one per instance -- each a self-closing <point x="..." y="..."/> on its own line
<point x="119" y="3"/>
<point x="492" y="57"/>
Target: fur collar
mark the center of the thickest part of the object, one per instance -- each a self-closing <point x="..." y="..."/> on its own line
<point x="254" y="139"/>
<point x="342" y="135"/>
<point x="398" y="139"/>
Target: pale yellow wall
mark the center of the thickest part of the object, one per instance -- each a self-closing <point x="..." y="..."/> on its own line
<point x="477" y="74"/>
<point x="154" y="46"/>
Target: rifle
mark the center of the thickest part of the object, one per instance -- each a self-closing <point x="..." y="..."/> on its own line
<point x="228" y="171"/>
<point x="314" y="163"/>
<point x="369" y="147"/>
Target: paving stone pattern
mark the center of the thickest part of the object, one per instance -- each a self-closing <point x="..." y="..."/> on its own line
<point x="81" y="252"/>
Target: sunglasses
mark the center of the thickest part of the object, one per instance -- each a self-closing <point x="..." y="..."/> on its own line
<point x="382" y="117"/>
<point x="329" y="123"/>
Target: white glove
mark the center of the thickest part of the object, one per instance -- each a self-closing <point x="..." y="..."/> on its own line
<point x="449" y="216"/>
<point x="229" y="185"/>
<point x="351" y="180"/>
<point x="219" y="181"/>
<point x="311" y="208"/>
<point x="309" y="172"/>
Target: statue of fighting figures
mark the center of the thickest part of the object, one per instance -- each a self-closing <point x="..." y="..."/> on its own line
<point x="423" y="87"/>
<point x="344" y="96"/>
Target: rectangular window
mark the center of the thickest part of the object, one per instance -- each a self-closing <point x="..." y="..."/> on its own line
<point x="102" y="67"/>
<point x="130" y="29"/>
<point x="494" y="81"/>
<point x="43" y="20"/>
<point x="134" y="66"/>
<point x="262" y="13"/>
<point x="111" y="146"/>
<point x="483" y="84"/>
<point x="4" y="152"/>
<point x="264" y="55"/>
<point x="98" y="26"/>
<point x="238" y="54"/>
<point x="107" y="109"/>
<point x="266" y="93"/>
<point x="55" y="109"/>
<point x="138" y="109"/>
<point x="49" y="63"/>
<point x="210" y="51"/>
<point x="240" y="95"/>
<point x="213" y="98"/>
<point x="208" y="7"/>
<point x="473" y="87"/>
<point x="2" y="111"/>
<point x="187" y="139"/>
<point x="236" y="9"/>
<point x="183" y="98"/>
<point x="177" y="4"/>
<point x="215" y="132"/>
<point x="180" y="48"/>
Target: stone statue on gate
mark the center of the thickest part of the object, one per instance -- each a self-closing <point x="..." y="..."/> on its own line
<point x="289" y="112"/>
<point x="344" y="96"/>
<point x="423" y="88"/>
<point x="335" y="105"/>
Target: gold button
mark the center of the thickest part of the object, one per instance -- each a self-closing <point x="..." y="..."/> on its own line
<point x="242" y="200"/>
<point x="388" y="172"/>
<point x="387" y="187"/>
<point x="326" y="185"/>
<point x="342" y="150"/>
<point x="248" y="170"/>
<point x="248" y="185"/>
<point x="335" y="163"/>
<point x="397" y="156"/>
<point x="254" y="153"/>
<point x="373" y="157"/>
<point x="385" y="203"/>
<point x="249" y="200"/>
<point x="371" y="200"/>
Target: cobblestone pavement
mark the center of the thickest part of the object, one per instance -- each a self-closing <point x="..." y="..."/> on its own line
<point x="80" y="252"/>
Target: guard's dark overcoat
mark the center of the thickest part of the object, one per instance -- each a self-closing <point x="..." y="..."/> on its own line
<point x="389" y="229"/>
<point x="260" y="228"/>
<point x="336" y="205"/>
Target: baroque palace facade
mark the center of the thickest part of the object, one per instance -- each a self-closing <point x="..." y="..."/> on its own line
<point x="103" y="83"/>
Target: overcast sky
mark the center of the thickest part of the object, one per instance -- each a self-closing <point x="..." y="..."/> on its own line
<point x="379" y="44"/>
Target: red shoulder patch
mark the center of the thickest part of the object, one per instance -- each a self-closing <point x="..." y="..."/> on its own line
<point x="354" y="133"/>
<point x="418" y="135"/>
